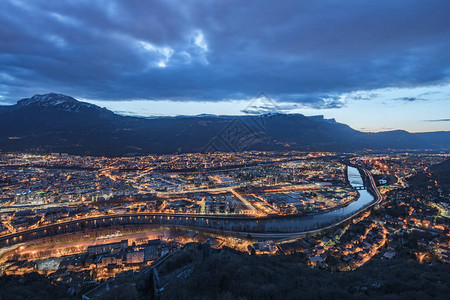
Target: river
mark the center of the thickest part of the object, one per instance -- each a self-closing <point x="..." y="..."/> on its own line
<point x="270" y="227"/>
<point x="303" y="223"/>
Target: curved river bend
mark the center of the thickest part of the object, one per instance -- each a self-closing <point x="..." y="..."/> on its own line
<point x="270" y="227"/>
<point x="301" y="223"/>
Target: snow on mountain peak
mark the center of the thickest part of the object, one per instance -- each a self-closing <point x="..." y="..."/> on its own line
<point x="58" y="101"/>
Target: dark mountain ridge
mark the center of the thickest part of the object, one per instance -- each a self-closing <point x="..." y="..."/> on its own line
<point x="59" y="123"/>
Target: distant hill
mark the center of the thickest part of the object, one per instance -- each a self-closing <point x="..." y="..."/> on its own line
<point x="59" y="123"/>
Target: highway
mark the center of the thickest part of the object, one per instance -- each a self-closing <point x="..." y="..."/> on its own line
<point x="377" y="195"/>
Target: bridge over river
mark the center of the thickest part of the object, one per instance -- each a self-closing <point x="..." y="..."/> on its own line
<point x="272" y="227"/>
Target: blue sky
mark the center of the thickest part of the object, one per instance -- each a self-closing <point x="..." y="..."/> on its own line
<point x="375" y="65"/>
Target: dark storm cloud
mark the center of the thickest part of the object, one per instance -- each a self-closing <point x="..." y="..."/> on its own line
<point x="299" y="51"/>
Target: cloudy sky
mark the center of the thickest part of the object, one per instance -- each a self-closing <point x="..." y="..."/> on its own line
<point x="375" y="65"/>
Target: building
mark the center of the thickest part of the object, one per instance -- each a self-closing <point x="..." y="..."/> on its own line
<point x="108" y="248"/>
<point x="108" y="260"/>
<point x="135" y="257"/>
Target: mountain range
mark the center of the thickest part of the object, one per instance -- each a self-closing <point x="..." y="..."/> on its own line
<point x="59" y="123"/>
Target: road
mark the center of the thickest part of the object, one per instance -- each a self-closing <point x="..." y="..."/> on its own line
<point x="246" y="203"/>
